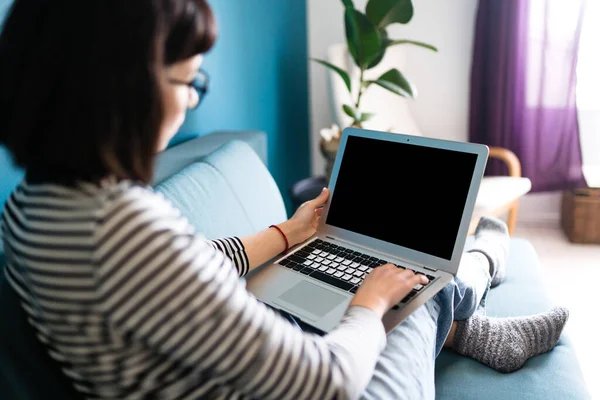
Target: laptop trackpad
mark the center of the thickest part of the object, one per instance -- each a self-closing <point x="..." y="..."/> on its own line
<point x="310" y="300"/>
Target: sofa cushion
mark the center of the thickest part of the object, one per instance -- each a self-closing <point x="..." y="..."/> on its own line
<point x="553" y="375"/>
<point x="176" y="158"/>
<point x="218" y="194"/>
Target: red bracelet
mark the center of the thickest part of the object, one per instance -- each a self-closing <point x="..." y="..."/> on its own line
<point x="287" y="244"/>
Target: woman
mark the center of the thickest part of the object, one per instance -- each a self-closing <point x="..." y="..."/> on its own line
<point x="126" y="296"/>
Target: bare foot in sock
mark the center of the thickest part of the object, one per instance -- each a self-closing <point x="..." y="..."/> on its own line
<point x="492" y="240"/>
<point x="504" y="344"/>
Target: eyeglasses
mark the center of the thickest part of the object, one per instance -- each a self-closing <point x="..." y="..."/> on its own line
<point x="199" y="85"/>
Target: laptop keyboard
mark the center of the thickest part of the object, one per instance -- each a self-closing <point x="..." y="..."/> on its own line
<point x="339" y="266"/>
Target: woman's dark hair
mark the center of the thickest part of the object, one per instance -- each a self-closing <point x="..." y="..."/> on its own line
<point x="81" y="81"/>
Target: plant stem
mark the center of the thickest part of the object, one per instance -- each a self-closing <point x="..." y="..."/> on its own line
<point x="360" y="90"/>
<point x="360" y="93"/>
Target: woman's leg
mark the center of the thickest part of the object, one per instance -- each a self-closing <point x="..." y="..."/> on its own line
<point x="504" y="344"/>
<point x="406" y="366"/>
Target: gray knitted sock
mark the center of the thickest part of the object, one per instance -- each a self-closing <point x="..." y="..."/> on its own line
<point x="491" y="239"/>
<point x="504" y="344"/>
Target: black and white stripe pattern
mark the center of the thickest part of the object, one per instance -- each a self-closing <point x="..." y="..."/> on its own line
<point x="135" y="304"/>
<point x="234" y="249"/>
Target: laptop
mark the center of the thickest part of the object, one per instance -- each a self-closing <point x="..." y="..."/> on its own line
<point x="394" y="198"/>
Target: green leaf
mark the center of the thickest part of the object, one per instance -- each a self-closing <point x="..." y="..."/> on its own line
<point x="386" y="43"/>
<point x="377" y="59"/>
<point x="343" y="74"/>
<point x="395" y="82"/>
<point x="352" y="34"/>
<point x="348" y="3"/>
<point x="413" y="42"/>
<point x="385" y="12"/>
<point x="350" y="111"/>
<point x="382" y="49"/>
<point x="363" y="38"/>
<point x="366" y="116"/>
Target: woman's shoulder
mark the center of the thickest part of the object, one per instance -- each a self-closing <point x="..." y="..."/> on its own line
<point x="126" y="202"/>
<point x="130" y="195"/>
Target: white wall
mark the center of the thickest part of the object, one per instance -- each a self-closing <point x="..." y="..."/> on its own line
<point x="325" y="26"/>
<point x="442" y="79"/>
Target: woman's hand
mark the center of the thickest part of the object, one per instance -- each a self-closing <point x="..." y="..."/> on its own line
<point x="305" y="220"/>
<point x="385" y="286"/>
<point x="268" y="243"/>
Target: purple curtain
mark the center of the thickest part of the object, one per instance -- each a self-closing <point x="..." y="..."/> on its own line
<point x="523" y="80"/>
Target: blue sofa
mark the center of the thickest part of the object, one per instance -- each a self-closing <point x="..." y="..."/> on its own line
<point x="222" y="184"/>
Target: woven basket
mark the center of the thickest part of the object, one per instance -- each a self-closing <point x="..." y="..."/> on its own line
<point x="581" y="215"/>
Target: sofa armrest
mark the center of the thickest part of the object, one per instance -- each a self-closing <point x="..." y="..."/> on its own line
<point x="176" y="158"/>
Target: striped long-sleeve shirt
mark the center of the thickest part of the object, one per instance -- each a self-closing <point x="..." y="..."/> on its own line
<point x="133" y="303"/>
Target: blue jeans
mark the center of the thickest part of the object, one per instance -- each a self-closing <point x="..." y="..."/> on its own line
<point x="405" y="369"/>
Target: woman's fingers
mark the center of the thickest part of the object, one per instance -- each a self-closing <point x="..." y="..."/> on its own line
<point x="320" y="200"/>
<point x="408" y="274"/>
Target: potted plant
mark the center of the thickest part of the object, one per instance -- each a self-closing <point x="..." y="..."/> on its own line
<point x="367" y="40"/>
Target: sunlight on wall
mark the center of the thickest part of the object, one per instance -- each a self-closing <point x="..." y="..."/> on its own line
<point x="588" y="93"/>
<point x="588" y="89"/>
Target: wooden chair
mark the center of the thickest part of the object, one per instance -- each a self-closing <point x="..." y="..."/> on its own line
<point x="499" y="195"/>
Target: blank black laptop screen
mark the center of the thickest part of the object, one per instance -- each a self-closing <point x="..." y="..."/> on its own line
<point x="408" y="195"/>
